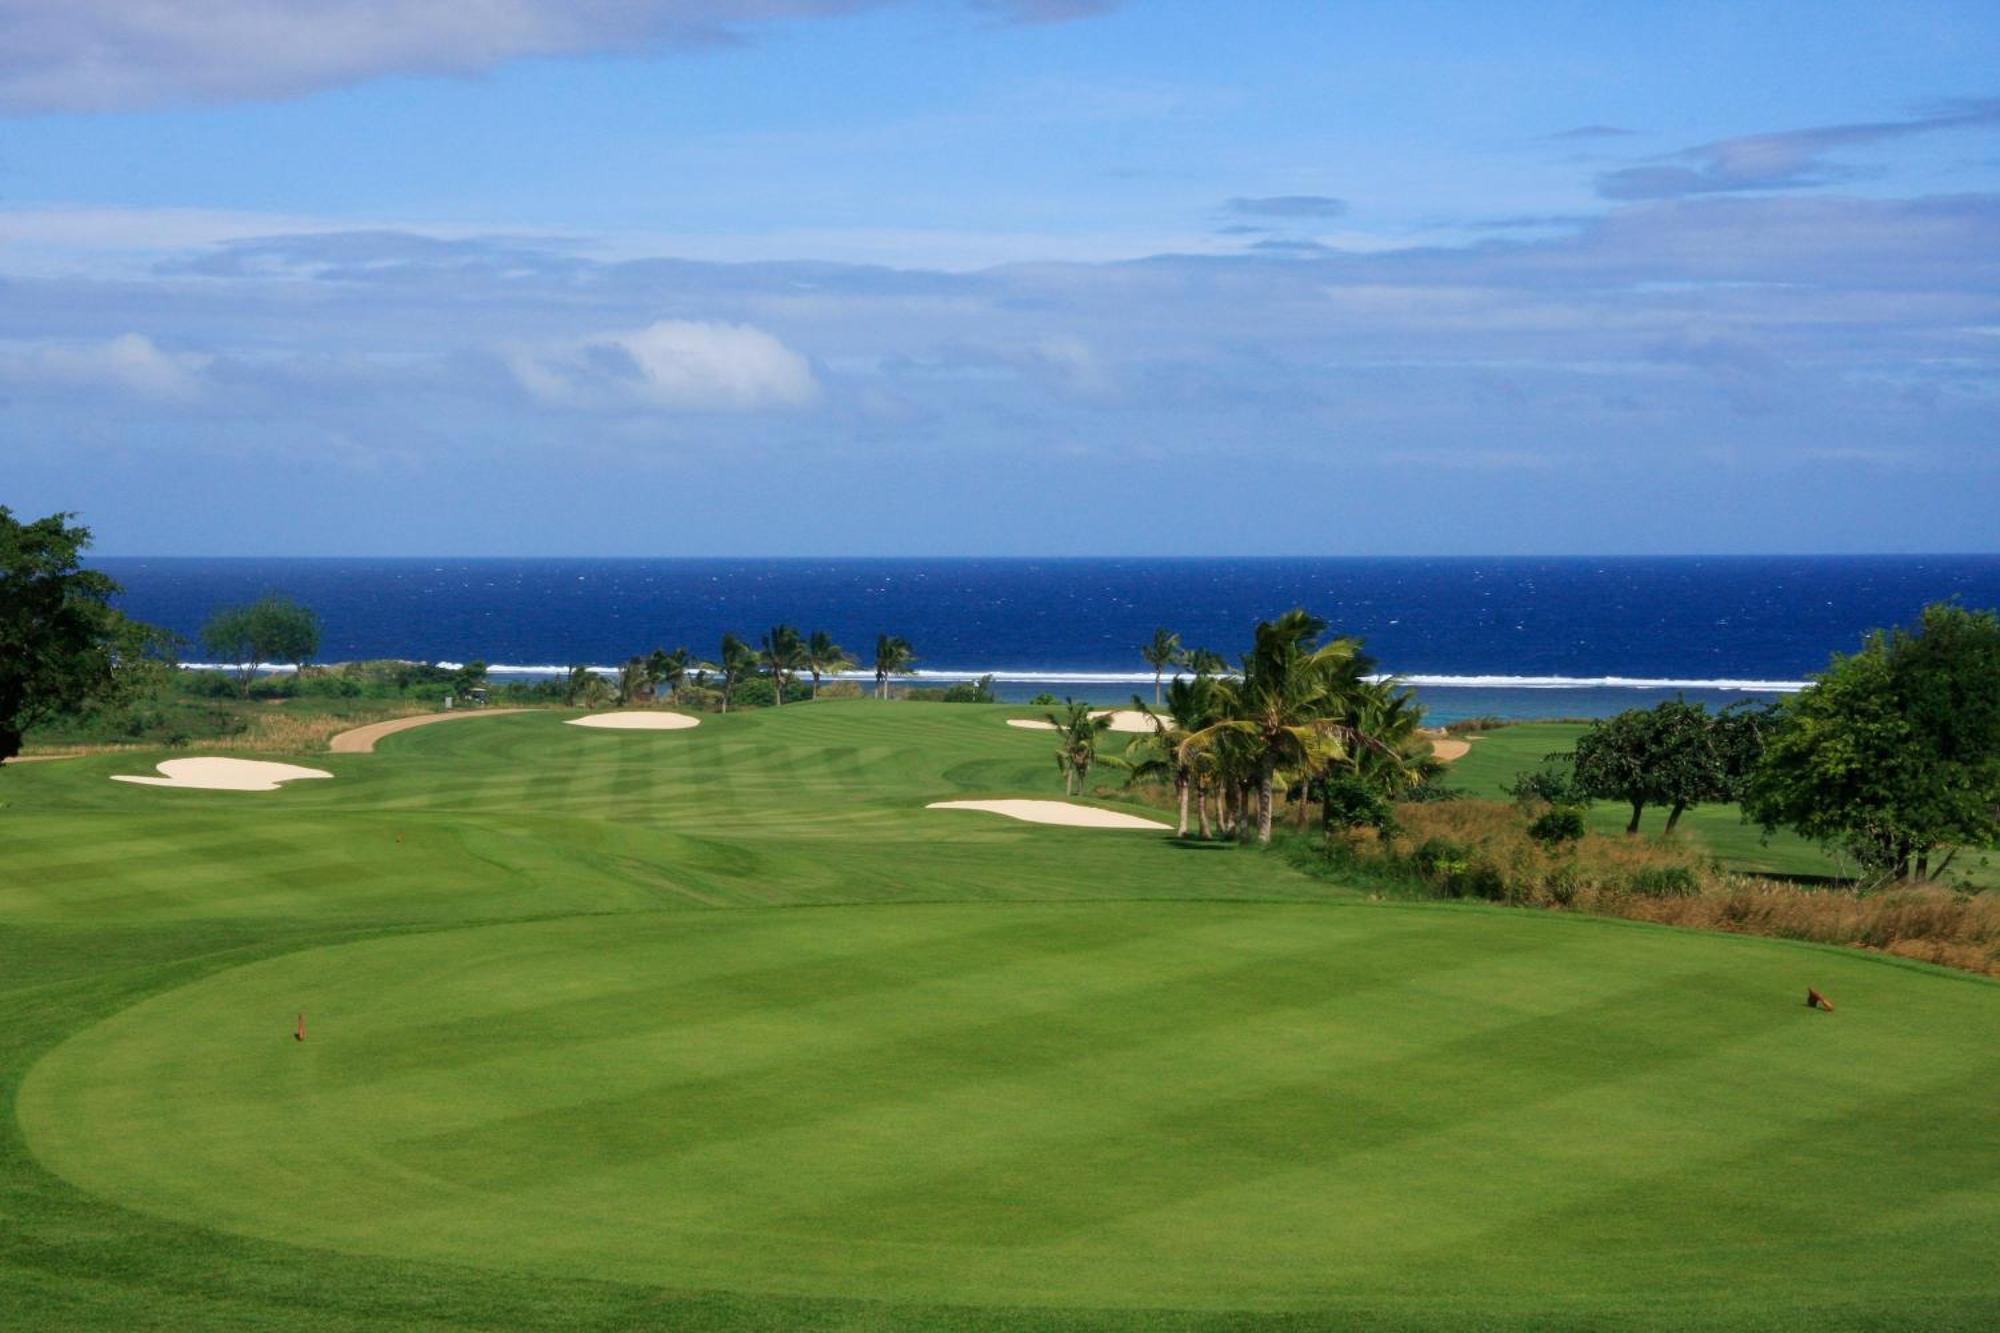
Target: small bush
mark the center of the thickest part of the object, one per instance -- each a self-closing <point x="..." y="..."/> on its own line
<point x="1665" y="882"/>
<point x="1557" y="827"/>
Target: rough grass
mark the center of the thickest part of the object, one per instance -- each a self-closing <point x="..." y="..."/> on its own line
<point x="867" y="1066"/>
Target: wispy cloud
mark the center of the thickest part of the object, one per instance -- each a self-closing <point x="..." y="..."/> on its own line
<point x="1288" y="206"/>
<point x="130" y="363"/>
<point x="99" y="55"/>
<point x="1785" y="160"/>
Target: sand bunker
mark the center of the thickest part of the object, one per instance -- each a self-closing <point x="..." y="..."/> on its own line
<point x="1054" y="812"/>
<point x="362" y="740"/>
<point x="1122" y="719"/>
<point x="1446" y="748"/>
<point x="638" y="721"/>
<point x="224" y="774"/>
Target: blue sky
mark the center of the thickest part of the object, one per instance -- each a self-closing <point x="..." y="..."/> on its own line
<point x="1018" y="277"/>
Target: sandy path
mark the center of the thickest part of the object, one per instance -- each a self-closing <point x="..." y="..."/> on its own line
<point x="38" y="758"/>
<point x="637" y="721"/>
<point x="1054" y="812"/>
<point x="213" y="774"/>
<point x="362" y="740"/>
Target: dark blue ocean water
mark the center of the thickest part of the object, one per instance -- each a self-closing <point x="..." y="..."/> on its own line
<point x="1519" y="637"/>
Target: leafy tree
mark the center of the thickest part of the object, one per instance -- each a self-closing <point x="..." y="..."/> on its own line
<point x="1894" y="752"/>
<point x="576" y="685"/>
<point x="1080" y="729"/>
<point x="62" y="644"/>
<point x="784" y="654"/>
<point x="272" y="629"/>
<point x="825" y="657"/>
<point x="1164" y="651"/>
<point x="893" y="657"/>
<point x="736" y="661"/>
<point x="1664" y="755"/>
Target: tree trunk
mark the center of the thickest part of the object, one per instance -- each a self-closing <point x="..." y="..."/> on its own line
<point x="1156" y="687"/>
<point x="1638" y="807"/>
<point x="1674" y="815"/>
<point x="1201" y="811"/>
<point x="10" y="743"/>
<point x="1267" y="773"/>
<point x="815" y="686"/>
<point x="1923" y="865"/>
<point x="1181" y="789"/>
<point x="1299" y="815"/>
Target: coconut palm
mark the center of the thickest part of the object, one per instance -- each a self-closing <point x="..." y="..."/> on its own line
<point x="669" y="668"/>
<point x="736" y="661"/>
<point x="784" y="652"/>
<point x="825" y="657"/>
<point x="1289" y="704"/>
<point x="1204" y="662"/>
<point x="577" y="683"/>
<point x="1079" y="726"/>
<point x="632" y="680"/>
<point x="1164" y="651"/>
<point x="893" y="657"/>
<point x="1190" y="707"/>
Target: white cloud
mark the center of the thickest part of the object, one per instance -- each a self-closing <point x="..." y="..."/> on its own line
<point x="671" y="365"/>
<point x="99" y="55"/>
<point x="130" y="363"/>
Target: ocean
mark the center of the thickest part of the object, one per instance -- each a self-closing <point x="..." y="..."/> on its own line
<point x="1512" y="637"/>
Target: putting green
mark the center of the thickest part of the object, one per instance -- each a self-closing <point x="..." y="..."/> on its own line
<point x="1200" y="1105"/>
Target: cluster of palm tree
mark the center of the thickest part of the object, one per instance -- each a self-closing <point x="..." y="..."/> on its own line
<point x="1297" y="713"/>
<point x="782" y="656"/>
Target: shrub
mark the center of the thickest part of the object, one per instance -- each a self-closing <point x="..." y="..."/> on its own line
<point x="1557" y="826"/>
<point x="1665" y="882"/>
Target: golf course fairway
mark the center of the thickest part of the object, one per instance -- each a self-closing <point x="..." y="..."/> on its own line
<point x="721" y="1028"/>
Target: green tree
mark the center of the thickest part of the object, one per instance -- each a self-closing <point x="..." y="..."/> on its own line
<point x="1893" y="753"/>
<point x="272" y="629"/>
<point x="736" y="661"/>
<point x="1674" y="754"/>
<point x="893" y="657"/>
<point x="577" y="684"/>
<point x="1164" y="651"/>
<point x="1290" y="705"/>
<point x="62" y="644"/>
<point x="824" y="657"/>
<point x="1079" y="728"/>
<point x="784" y="654"/>
<point x="633" y="683"/>
<point x="1190" y="707"/>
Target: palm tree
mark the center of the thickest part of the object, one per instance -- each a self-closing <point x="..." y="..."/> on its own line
<point x="669" y="668"/>
<point x="1289" y="704"/>
<point x="824" y="656"/>
<point x="736" y="660"/>
<point x="577" y="683"/>
<point x="631" y="680"/>
<point x="1204" y="661"/>
<point x="1190" y="707"/>
<point x="784" y="653"/>
<point x="893" y="657"/>
<point x="1164" y="651"/>
<point x="1080" y="726"/>
<point x="1390" y="755"/>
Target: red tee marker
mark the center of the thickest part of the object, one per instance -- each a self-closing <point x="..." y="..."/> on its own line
<point x="300" y="1033"/>
<point x="1814" y="1000"/>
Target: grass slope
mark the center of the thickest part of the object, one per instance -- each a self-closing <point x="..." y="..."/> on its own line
<point x="568" y="1067"/>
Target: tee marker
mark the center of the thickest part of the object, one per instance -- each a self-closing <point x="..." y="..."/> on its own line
<point x="299" y="1033"/>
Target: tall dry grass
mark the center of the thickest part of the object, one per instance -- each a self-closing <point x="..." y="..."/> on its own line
<point x="1481" y="849"/>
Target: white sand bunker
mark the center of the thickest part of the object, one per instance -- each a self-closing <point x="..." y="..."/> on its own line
<point x="1122" y="719"/>
<point x="224" y="774"/>
<point x="638" y="721"/>
<point x="1053" y="812"/>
